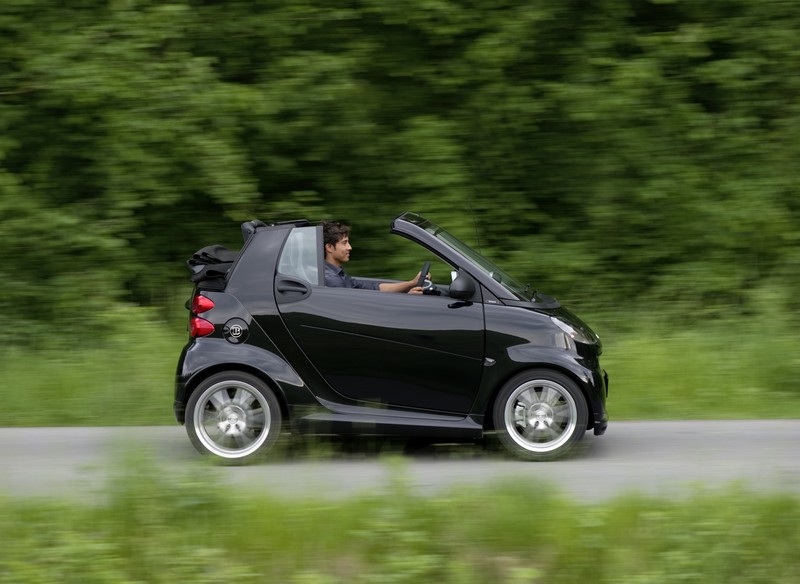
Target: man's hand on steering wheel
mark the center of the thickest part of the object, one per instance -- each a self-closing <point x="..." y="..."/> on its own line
<point x="423" y="280"/>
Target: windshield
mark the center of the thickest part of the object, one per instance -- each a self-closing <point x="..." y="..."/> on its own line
<point x="520" y="291"/>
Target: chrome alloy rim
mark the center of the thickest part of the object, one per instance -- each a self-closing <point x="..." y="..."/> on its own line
<point x="232" y="419"/>
<point x="540" y="415"/>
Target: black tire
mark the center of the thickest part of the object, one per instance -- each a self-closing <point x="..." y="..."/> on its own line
<point x="233" y="416"/>
<point x="540" y="415"/>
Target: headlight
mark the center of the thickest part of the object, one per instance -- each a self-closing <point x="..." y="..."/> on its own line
<point x="573" y="334"/>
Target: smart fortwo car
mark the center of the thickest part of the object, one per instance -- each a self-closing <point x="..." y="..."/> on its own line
<point x="272" y="350"/>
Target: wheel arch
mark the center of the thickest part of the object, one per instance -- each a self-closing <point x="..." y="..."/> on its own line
<point x="199" y="377"/>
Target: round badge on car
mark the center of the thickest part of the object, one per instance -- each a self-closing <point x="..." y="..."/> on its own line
<point x="236" y="331"/>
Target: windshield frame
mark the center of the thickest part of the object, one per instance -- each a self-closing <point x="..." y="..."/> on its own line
<point x="486" y="267"/>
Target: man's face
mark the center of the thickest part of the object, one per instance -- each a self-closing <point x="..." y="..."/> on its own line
<point x="340" y="253"/>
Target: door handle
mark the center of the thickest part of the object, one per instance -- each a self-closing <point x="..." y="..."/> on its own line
<point x="297" y="287"/>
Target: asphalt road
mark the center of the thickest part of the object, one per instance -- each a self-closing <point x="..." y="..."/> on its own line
<point x="652" y="458"/>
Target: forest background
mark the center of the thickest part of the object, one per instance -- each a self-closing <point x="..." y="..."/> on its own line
<point x="635" y="158"/>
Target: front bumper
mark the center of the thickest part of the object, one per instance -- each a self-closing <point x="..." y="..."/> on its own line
<point x="601" y="418"/>
<point x="180" y="411"/>
<point x="600" y="427"/>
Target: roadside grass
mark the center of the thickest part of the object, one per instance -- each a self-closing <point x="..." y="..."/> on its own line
<point x="738" y="369"/>
<point x="157" y="527"/>
<point x="126" y="378"/>
<point x="733" y="369"/>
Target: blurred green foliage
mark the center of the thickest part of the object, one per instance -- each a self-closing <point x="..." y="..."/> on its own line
<point x="162" y="527"/>
<point x="609" y="151"/>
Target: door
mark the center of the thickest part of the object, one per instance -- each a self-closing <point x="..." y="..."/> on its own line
<point x="388" y="349"/>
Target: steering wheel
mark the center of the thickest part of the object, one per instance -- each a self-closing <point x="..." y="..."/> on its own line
<point x="428" y="287"/>
<point x="423" y="274"/>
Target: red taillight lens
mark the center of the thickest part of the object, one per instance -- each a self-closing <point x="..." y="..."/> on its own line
<point x="200" y="327"/>
<point x="201" y="304"/>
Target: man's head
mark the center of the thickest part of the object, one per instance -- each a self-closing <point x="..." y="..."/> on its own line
<point x="336" y="238"/>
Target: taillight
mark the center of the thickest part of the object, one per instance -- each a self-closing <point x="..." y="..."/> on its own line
<point x="200" y="327"/>
<point x="201" y="304"/>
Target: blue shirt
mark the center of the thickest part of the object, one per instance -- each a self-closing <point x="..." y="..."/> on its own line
<point x="336" y="278"/>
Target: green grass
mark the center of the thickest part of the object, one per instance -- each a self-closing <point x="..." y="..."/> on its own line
<point x="124" y="379"/>
<point x="159" y="528"/>
<point x="740" y="368"/>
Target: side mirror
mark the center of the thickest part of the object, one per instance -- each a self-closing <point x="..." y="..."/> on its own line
<point x="462" y="287"/>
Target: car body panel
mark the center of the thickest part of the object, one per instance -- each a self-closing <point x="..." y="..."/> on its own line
<point x="392" y="350"/>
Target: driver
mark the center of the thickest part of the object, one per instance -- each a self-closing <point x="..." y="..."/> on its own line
<point x="336" y="238"/>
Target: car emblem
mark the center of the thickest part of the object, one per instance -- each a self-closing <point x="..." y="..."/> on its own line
<point x="236" y="331"/>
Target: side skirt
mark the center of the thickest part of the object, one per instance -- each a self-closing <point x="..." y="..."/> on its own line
<point x="365" y="421"/>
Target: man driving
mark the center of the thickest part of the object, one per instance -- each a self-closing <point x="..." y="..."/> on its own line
<point x="336" y="238"/>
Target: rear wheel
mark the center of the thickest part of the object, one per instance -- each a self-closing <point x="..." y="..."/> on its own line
<point x="233" y="416"/>
<point x="540" y="415"/>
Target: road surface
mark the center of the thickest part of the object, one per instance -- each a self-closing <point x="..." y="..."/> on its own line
<point x="651" y="458"/>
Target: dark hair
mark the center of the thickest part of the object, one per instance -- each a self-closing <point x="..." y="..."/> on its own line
<point x="333" y="232"/>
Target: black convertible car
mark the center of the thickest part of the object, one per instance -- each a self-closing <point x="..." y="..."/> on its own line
<point x="273" y="350"/>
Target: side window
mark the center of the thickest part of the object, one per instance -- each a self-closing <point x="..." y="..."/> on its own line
<point x="300" y="255"/>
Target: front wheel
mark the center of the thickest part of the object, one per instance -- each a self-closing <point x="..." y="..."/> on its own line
<point x="540" y="415"/>
<point x="233" y="416"/>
